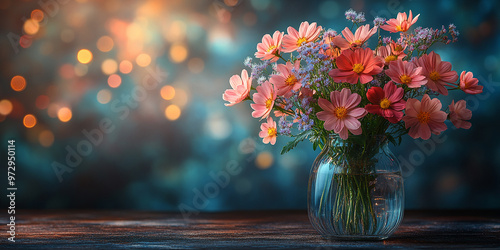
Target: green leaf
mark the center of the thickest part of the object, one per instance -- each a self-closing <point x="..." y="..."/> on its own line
<point x="298" y="138"/>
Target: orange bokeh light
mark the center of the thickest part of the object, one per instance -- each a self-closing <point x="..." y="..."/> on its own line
<point x="167" y="92"/>
<point x="18" y="83"/>
<point x="114" y="81"/>
<point x="46" y="138"/>
<point x="172" y="112"/>
<point x="5" y="107"/>
<point x="126" y="66"/>
<point x="37" y="15"/>
<point x="105" y="44"/>
<point x="29" y="121"/>
<point x="31" y="26"/>
<point x="64" y="114"/>
<point x="84" y="56"/>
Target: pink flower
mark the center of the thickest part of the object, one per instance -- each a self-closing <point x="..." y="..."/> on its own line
<point x="437" y="72"/>
<point x="269" y="132"/>
<point x="387" y="53"/>
<point x="286" y="81"/>
<point x="354" y="40"/>
<point x="333" y="51"/>
<point x="401" y="24"/>
<point x="397" y="49"/>
<point x="469" y="84"/>
<point x="342" y="113"/>
<point x="294" y="39"/>
<point x="269" y="48"/>
<point x="424" y="118"/>
<point x="404" y="72"/>
<point x="359" y="64"/>
<point x="387" y="103"/>
<point x="264" y="100"/>
<point x="459" y="114"/>
<point x="241" y="88"/>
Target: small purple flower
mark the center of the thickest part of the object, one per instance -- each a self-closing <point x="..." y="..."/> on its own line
<point x="378" y="21"/>
<point x="351" y="15"/>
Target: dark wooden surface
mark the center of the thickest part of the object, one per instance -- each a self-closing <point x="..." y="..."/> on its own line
<point x="266" y="229"/>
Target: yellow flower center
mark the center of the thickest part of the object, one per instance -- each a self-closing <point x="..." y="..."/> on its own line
<point x="398" y="47"/>
<point x="399" y="28"/>
<point x="405" y="79"/>
<point x="358" y="68"/>
<point x="271" y="48"/>
<point x="385" y="103"/>
<point x="340" y="112"/>
<point x="290" y="80"/>
<point x="423" y="117"/>
<point x="269" y="102"/>
<point x="301" y="41"/>
<point x="434" y="76"/>
<point x="390" y="58"/>
<point x="271" y="132"/>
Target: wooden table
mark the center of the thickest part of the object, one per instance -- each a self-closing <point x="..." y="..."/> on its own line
<point x="266" y="229"/>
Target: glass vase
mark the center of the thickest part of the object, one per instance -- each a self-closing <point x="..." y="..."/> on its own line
<point x="356" y="190"/>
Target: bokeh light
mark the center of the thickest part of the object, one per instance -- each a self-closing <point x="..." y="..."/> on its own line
<point x="52" y="110"/>
<point x="181" y="97"/>
<point x="175" y="32"/>
<point x="172" y="112"/>
<point x="167" y="92"/>
<point x="84" y="56"/>
<point x="114" y="81"/>
<point x="29" y="121"/>
<point x="25" y="41"/>
<point x="126" y="66"/>
<point x="264" y="160"/>
<point x="42" y="102"/>
<point x="5" y="107"/>
<point x="105" y="44"/>
<point x="178" y="53"/>
<point x="81" y="69"/>
<point x="67" y="71"/>
<point x="104" y="96"/>
<point x="143" y="60"/>
<point x="37" y="15"/>
<point x="109" y="66"/>
<point x="64" y="114"/>
<point x="46" y="138"/>
<point x="31" y="27"/>
<point x="18" y="83"/>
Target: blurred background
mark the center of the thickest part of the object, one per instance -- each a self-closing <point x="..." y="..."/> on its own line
<point x="117" y="105"/>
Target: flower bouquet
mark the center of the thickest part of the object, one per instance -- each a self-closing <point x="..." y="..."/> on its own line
<point x="350" y="100"/>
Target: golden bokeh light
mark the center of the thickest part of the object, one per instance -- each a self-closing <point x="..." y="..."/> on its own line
<point x="167" y="92"/>
<point x="264" y="160"/>
<point x="5" y="107"/>
<point x="143" y="60"/>
<point x="18" y="83"/>
<point x="181" y="97"/>
<point x="114" y="81"/>
<point x="42" y="102"/>
<point x="64" y="114"/>
<point x="126" y="67"/>
<point x="104" y="96"/>
<point x="84" y="56"/>
<point x="178" y="53"/>
<point x="46" y="138"/>
<point x="105" y="44"/>
<point x="37" y="15"/>
<point x="172" y="112"/>
<point x="29" y="121"/>
<point x="31" y="26"/>
<point x="175" y="32"/>
<point x="196" y="65"/>
<point x="231" y="3"/>
<point x="109" y="66"/>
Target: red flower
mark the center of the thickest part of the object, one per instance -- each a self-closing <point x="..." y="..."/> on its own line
<point x="387" y="103"/>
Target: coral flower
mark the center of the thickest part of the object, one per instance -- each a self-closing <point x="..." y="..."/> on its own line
<point x="241" y="88"/>
<point x="264" y="100"/>
<point x="401" y="24"/>
<point x="356" y="65"/>
<point x="341" y="114"/>
<point x="387" y="102"/>
<point x="437" y="72"/>
<point x="459" y="114"/>
<point x="286" y="81"/>
<point x="269" y="48"/>
<point x="397" y="49"/>
<point x="354" y="40"/>
<point x="424" y="118"/>
<point x="469" y="84"/>
<point x="294" y="39"/>
<point x="407" y="73"/>
<point x="387" y="53"/>
<point x="269" y="132"/>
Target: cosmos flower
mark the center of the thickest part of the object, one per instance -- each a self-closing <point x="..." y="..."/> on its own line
<point x="355" y="40"/>
<point x="342" y="114"/>
<point x="437" y="72"/>
<point x="294" y="39"/>
<point x="387" y="102"/>
<point x="270" y="47"/>
<point x="386" y="53"/>
<point x="469" y="84"/>
<point x="424" y="117"/>
<point x="286" y="81"/>
<point x="268" y="131"/>
<point x="264" y="100"/>
<point x="358" y="65"/>
<point x="401" y="24"/>
<point x="407" y="73"/>
<point x="459" y="114"/>
<point x="241" y="88"/>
